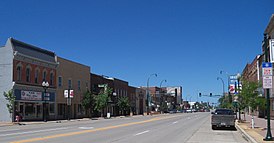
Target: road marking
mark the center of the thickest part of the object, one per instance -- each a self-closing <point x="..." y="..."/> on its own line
<point x="175" y="122"/>
<point x="28" y="132"/>
<point x="188" y="118"/>
<point x="91" y="130"/>
<point x="142" y="133"/>
<point x="86" y="128"/>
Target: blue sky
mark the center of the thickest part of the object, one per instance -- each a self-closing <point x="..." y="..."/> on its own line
<point x="186" y="42"/>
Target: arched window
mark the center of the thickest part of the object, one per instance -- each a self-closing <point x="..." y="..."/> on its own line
<point x="44" y="75"/>
<point x="19" y="73"/>
<point x="36" y="75"/>
<point x="51" y="78"/>
<point x="27" y="74"/>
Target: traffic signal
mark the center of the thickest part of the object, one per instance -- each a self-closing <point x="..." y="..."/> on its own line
<point x="200" y="94"/>
<point x="210" y="94"/>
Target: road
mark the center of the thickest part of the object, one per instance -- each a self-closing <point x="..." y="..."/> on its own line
<point x="167" y="128"/>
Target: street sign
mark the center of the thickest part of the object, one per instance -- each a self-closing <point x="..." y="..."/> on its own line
<point x="267" y="69"/>
<point x="66" y="93"/>
<point x="267" y="82"/>
<point x="267" y="75"/>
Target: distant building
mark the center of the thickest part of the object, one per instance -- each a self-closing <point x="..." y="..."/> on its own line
<point x="23" y="69"/>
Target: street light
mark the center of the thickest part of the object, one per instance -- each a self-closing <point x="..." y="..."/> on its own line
<point x="219" y="78"/>
<point x="161" y="95"/>
<point x="148" y="90"/>
<point x="238" y="91"/>
<point x="230" y="97"/>
<point x="45" y="85"/>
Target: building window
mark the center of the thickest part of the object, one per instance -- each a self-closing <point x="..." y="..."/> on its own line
<point x="59" y="81"/>
<point x="69" y="83"/>
<point x="51" y="79"/>
<point x="79" y="85"/>
<point x="44" y="75"/>
<point x="19" y="73"/>
<point x="36" y="76"/>
<point x="28" y="74"/>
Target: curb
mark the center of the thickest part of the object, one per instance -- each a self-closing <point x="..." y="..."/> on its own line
<point x="245" y="135"/>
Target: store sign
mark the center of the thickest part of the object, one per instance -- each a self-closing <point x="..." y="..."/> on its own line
<point x="31" y="95"/>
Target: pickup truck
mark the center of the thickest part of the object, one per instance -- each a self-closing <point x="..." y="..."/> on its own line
<point x="223" y="118"/>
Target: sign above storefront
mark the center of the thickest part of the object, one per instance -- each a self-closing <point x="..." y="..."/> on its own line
<point x="31" y="95"/>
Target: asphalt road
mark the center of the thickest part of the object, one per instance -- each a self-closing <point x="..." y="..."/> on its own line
<point x="168" y="128"/>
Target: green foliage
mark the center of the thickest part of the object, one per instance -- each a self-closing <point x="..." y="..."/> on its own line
<point x="102" y="98"/>
<point x="248" y="96"/>
<point x="11" y="99"/>
<point x="225" y="102"/>
<point x="123" y="103"/>
<point x="88" y="101"/>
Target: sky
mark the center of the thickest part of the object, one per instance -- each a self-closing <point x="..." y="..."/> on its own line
<point x="186" y="42"/>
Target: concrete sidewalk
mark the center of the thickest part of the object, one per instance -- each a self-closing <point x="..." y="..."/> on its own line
<point x="2" y="124"/>
<point x="258" y="133"/>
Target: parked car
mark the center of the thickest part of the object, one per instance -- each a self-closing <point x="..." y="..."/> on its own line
<point x="223" y="118"/>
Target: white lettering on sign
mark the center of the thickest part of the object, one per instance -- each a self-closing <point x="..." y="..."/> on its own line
<point x="31" y="95"/>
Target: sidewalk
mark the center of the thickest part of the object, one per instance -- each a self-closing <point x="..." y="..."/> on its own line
<point x="259" y="132"/>
<point x="2" y="124"/>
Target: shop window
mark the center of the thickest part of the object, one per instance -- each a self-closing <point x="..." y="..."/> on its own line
<point x="51" y="108"/>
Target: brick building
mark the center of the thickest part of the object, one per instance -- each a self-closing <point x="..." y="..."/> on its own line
<point x="74" y="76"/>
<point x="23" y="69"/>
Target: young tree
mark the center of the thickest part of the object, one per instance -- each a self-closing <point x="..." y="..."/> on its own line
<point x="101" y="100"/>
<point x="88" y="102"/>
<point x="123" y="104"/>
<point x="11" y="99"/>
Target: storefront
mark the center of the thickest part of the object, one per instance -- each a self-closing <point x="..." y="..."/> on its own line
<point x="29" y="104"/>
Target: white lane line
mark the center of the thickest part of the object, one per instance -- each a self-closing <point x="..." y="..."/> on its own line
<point x="86" y="128"/>
<point x="9" y="130"/>
<point x="175" y="122"/>
<point x="142" y="133"/>
<point x="188" y="118"/>
<point x="28" y="132"/>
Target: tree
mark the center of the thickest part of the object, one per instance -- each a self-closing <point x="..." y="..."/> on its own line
<point x="224" y="102"/>
<point x="123" y="104"/>
<point x="88" y="102"/>
<point x="11" y="99"/>
<point x="101" y="100"/>
<point x="249" y="96"/>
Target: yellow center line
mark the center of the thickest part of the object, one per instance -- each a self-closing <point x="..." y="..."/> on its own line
<point x="88" y="131"/>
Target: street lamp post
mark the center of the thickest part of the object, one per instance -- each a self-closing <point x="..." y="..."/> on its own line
<point x="45" y="85"/>
<point x="230" y="97"/>
<point x="268" y="134"/>
<point x="238" y="91"/>
<point x="161" y="95"/>
<point x="219" y="78"/>
<point x="148" y="96"/>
